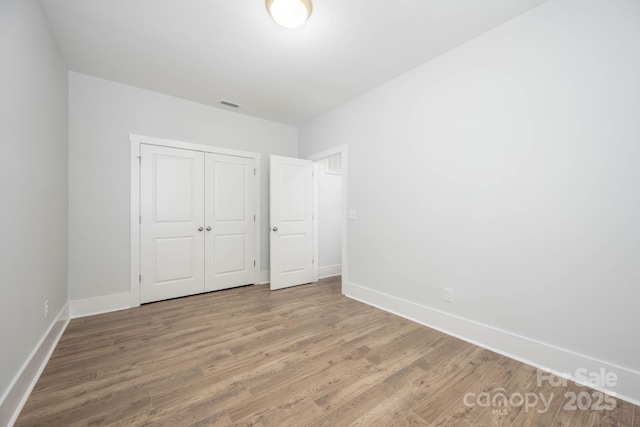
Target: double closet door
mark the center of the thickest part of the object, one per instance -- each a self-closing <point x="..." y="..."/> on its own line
<point x="196" y="223"/>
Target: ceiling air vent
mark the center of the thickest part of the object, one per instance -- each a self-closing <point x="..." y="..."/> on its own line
<point x="229" y="103"/>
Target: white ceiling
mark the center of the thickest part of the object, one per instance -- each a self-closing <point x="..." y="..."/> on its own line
<point x="208" y="50"/>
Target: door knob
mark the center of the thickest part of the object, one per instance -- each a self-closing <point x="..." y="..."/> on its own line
<point x="209" y="228"/>
<point x="200" y="228"/>
<point x="275" y="228"/>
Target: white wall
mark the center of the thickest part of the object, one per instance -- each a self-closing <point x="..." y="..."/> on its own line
<point x="329" y="222"/>
<point x="507" y="170"/>
<point x="33" y="183"/>
<point x="102" y="115"/>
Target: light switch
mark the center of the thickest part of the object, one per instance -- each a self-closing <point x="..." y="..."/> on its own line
<point x="352" y="214"/>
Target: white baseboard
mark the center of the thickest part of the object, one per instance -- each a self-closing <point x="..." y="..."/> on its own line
<point x="541" y="355"/>
<point x="20" y="388"/>
<point x="115" y="302"/>
<point x="329" y="271"/>
<point x="99" y="305"/>
<point x="123" y="301"/>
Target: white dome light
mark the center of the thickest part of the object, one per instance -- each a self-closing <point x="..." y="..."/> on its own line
<point x="289" y="13"/>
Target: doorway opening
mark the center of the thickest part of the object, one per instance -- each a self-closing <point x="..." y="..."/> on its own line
<point x="330" y="212"/>
<point x="328" y="206"/>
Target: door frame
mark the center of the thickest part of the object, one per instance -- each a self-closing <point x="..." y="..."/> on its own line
<point x="343" y="150"/>
<point x="136" y="141"/>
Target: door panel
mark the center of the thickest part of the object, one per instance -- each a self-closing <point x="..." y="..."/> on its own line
<point x="174" y="258"/>
<point x="172" y="210"/>
<point x="232" y="251"/>
<point x="292" y="253"/>
<point x="291" y="222"/>
<point x="229" y="201"/>
<point x="173" y="188"/>
<point x="231" y="179"/>
<point x="293" y="206"/>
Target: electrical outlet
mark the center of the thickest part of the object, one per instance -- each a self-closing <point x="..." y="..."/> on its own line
<point x="448" y="295"/>
<point x="46" y="309"/>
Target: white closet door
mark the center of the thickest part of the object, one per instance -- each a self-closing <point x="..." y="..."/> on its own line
<point x="229" y="211"/>
<point x="291" y="200"/>
<point x="172" y="222"/>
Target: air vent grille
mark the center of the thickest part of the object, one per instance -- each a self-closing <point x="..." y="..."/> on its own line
<point x="229" y="103"/>
<point x="333" y="165"/>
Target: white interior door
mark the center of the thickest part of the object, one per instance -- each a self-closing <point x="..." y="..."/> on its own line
<point x="229" y="222"/>
<point x="171" y="223"/>
<point x="291" y="208"/>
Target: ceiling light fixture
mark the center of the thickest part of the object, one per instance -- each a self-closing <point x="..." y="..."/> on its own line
<point x="289" y="13"/>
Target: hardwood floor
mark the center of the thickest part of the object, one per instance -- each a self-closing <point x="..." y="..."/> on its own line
<point x="304" y="356"/>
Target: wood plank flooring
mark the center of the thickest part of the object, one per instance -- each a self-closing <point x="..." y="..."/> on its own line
<point x="304" y="356"/>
